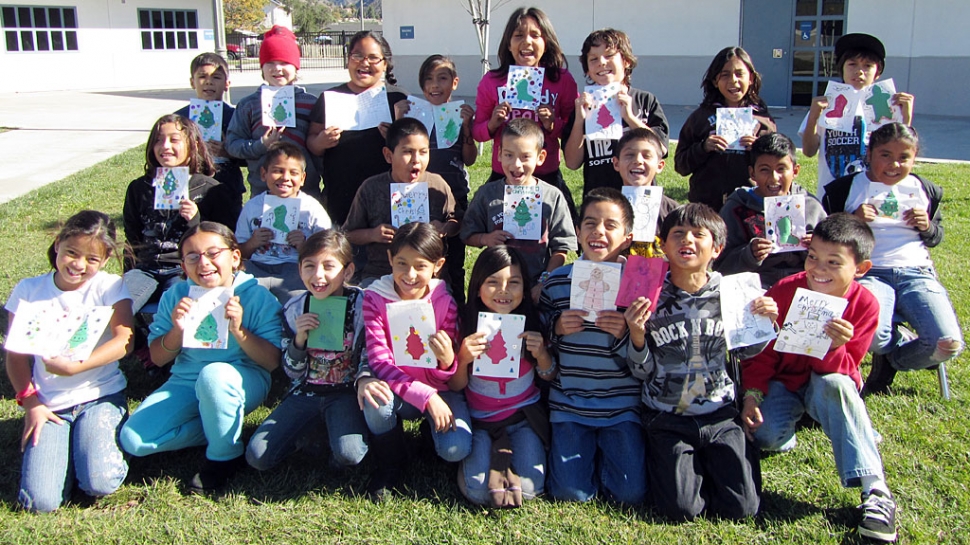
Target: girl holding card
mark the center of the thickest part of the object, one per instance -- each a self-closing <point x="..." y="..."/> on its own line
<point x="210" y="390"/>
<point x="528" y="41"/>
<point x="409" y="389"/>
<point x="73" y="409"/>
<point x="321" y="354"/>
<point x="176" y="192"/>
<point x="506" y="412"/>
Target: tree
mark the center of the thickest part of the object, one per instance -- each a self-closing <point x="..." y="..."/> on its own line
<point x="496" y="348"/>
<point x="244" y="14"/>
<point x="415" y="347"/>
<point x="310" y="16"/>
<point x="208" y="331"/>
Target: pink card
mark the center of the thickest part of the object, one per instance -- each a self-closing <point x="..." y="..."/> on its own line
<point x="642" y="277"/>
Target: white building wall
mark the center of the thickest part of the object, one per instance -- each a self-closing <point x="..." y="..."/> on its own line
<point x="109" y="51"/>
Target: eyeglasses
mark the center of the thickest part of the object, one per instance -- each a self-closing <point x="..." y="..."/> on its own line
<point x="211" y="254"/>
<point x="371" y="59"/>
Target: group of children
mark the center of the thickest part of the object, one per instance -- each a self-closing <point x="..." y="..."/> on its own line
<point x="635" y="405"/>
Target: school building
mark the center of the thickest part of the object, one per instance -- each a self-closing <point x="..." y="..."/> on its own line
<point x="791" y="42"/>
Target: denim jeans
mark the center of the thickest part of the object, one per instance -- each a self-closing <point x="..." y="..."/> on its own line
<point x="528" y="462"/>
<point x="915" y="296"/>
<point x="834" y="402"/>
<point x="584" y="459"/>
<point x="299" y="415"/>
<point x="147" y="286"/>
<point x="188" y="413"/>
<point x="282" y="280"/>
<point x="84" y="447"/>
<point x="451" y="446"/>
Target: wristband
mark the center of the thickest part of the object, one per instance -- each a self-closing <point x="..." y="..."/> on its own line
<point x="25" y="393"/>
<point x="543" y="277"/>
<point x="548" y="372"/>
<point x="756" y="395"/>
<point x="167" y="349"/>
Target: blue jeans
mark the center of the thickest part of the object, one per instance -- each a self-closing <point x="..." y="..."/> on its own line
<point x="84" y="447"/>
<point x="583" y="459"/>
<point x="915" y="296"/>
<point x="282" y="280"/>
<point x="528" y="462"/>
<point x="451" y="446"/>
<point x="188" y="413"/>
<point x="299" y="415"/>
<point x="833" y="401"/>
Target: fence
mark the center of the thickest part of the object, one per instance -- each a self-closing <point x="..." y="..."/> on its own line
<point x="319" y="50"/>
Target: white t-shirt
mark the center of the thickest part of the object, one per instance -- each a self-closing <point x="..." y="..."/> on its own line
<point x="839" y="153"/>
<point x="897" y="244"/>
<point x="59" y="392"/>
<point x="313" y="218"/>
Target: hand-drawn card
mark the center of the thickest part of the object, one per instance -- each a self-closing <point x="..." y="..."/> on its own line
<point x="523" y="212"/>
<point x="40" y="328"/>
<point x="603" y="121"/>
<point x="279" y="106"/>
<point x="785" y="223"/>
<point x="422" y="110"/>
<point x="207" y="114"/>
<point x="447" y="123"/>
<point x="85" y="338"/>
<point x="504" y="353"/>
<point x="171" y="187"/>
<point x="372" y="108"/>
<point x="877" y="105"/>
<point x="412" y="323"/>
<point x="802" y="331"/>
<point x="594" y="287"/>
<point x="741" y="326"/>
<point x="331" y="313"/>
<point x="646" y="209"/>
<point x="842" y="109"/>
<point x="206" y="325"/>
<point x="340" y="110"/>
<point x="892" y="202"/>
<point x="524" y="87"/>
<point x="281" y="216"/>
<point x="733" y="123"/>
<point x="409" y="203"/>
<point x="642" y="277"/>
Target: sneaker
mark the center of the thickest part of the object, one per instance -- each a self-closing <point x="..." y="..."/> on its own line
<point x="880" y="377"/>
<point x="214" y="475"/>
<point x="878" y="516"/>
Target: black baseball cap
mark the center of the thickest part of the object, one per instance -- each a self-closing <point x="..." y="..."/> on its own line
<point x="859" y="41"/>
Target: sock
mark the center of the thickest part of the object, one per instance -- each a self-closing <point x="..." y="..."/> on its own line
<point x="874" y="482"/>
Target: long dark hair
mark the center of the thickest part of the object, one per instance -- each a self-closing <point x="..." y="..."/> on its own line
<point x="552" y="58"/>
<point x="200" y="162"/>
<point x="385" y="51"/>
<point x="489" y="262"/>
<point x="711" y="93"/>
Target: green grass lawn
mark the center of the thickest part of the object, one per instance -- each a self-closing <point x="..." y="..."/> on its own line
<point x="925" y="443"/>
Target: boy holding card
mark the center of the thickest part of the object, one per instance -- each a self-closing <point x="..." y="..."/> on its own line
<point x="274" y="224"/>
<point x="861" y="59"/>
<point x="548" y="230"/>
<point x="773" y="168"/>
<point x="781" y="387"/>
<point x="249" y="136"/>
<point x="597" y="444"/>
<point x="418" y="196"/>
<point x="696" y="452"/>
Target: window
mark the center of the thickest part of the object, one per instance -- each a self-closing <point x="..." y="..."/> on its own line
<point x="32" y="28"/>
<point x="169" y="28"/>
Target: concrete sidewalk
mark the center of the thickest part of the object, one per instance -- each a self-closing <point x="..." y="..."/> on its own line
<point x="55" y="134"/>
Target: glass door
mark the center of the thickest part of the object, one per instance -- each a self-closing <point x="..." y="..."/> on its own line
<point x="817" y="25"/>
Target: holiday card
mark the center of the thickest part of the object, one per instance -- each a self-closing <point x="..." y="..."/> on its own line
<point x="642" y="277"/>
<point x="523" y="212"/>
<point x="594" y="287"/>
<point x="171" y="187"/>
<point x="523" y="87"/>
<point x="45" y="329"/>
<point x="646" y="209"/>
<point x="409" y="203"/>
<point x="84" y="340"/>
<point x="281" y="216"/>
<point x="843" y="106"/>
<point x="802" y="332"/>
<point x="279" y="106"/>
<point x="207" y="114"/>
<point x="733" y="123"/>
<point x="422" y="110"/>
<point x="785" y="223"/>
<point x="331" y="313"/>
<point x="206" y="325"/>
<point x="412" y="324"/>
<point x="603" y="121"/>
<point x="741" y="326"/>
<point x="877" y="105"/>
<point x="351" y="112"/>
<point x="447" y="123"/>
<point x="504" y="349"/>
<point x="891" y="202"/>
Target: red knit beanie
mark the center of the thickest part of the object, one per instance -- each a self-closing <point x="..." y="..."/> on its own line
<point x="279" y="44"/>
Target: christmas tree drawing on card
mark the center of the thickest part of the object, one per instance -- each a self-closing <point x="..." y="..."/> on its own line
<point x="603" y="121"/>
<point x="785" y="222"/>
<point x="171" y="187"/>
<point x="803" y="332"/>
<point x="207" y="114"/>
<point x="741" y="326"/>
<point x="411" y="324"/>
<point x="892" y="201"/>
<point x="522" y="216"/>
<point x="206" y="325"/>
<point x="524" y="87"/>
<point x="281" y="216"/>
<point x="594" y="287"/>
<point x="409" y="203"/>
<point x="94" y="321"/>
<point x="447" y="123"/>
<point x="642" y="277"/>
<point x="278" y="106"/>
<point x="46" y="329"/>
<point x="331" y="313"/>
<point x="646" y="210"/>
<point x="503" y="354"/>
<point x="733" y="123"/>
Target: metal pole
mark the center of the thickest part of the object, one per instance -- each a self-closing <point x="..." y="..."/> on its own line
<point x="362" y="14"/>
<point x="218" y="15"/>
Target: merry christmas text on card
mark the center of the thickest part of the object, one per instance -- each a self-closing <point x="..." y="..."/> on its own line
<point x="409" y="203"/>
<point x="802" y="331"/>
